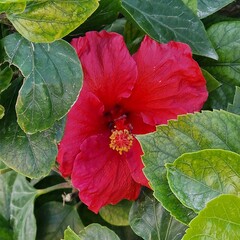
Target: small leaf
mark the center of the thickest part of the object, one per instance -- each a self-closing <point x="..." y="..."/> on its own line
<point x="47" y="21"/>
<point x="52" y="80"/>
<point x="69" y="234"/>
<point x="165" y="20"/>
<point x="2" y="110"/>
<point x="225" y="37"/>
<point x="150" y="220"/>
<point x="212" y="83"/>
<point x="235" y="107"/>
<point x="12" y="6"/>
<point x="5" y="78"/>
<point x="105" y="14"/>
<point x="53" y="218"/>
<point x="6" y="232"/>
<point x="196" y="178"/>
<point x="133" y="36"/>
<point x="219" y="220"/>
<point x="31" y="155"/>
<point x="117" y="214"/>
<point x="22" y="213"/>
<point x="191" y="133"/>
<point x="206" y="7"/>
<point x="95" y="232"/>
<point x="117" y="26"/>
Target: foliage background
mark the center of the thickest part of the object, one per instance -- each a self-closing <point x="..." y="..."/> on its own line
<point x="192" y="163"/>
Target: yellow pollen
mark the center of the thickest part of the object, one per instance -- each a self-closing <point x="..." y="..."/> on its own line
<point x="121" y="140"/>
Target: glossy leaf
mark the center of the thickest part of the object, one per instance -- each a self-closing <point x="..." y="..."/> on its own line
<point x="212" y="83"/>
<point x="47" y="21"/>
<point x="53" y="218"/>
<point x="225" y="38"/>
<point x="235" y="106"/>
<point x="196" y="178"/>
<point x="12" y="6"/>
<point x="31" y="155"/>
<point x="165" y="20"/>
<point x="117" y="214"/>
<point x="151" y="221"/>
<point x="52" y="80"/>
<point x="206" y="7"/>
<point x="219" y="220"/>
<point x="69" y="234"/>
<point x="5" y="78"/>
<point x="22" y="209"/>
<point x="192" y="132"/>
<point x="95" y="232"/>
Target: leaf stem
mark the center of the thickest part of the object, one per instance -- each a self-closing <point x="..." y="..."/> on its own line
<point x="5" y="170"/>
<point x="53" y="188"/>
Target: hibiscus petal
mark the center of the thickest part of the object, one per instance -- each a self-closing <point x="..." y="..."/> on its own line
<point x="135" y="163"/>
<point x="84" y="119"/>
<point x="109" y="70"/>
<point x="169" y="82"/>
<point x="102" y="174"/>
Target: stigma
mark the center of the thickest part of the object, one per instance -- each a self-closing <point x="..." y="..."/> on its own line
<point x="121" y="140"/>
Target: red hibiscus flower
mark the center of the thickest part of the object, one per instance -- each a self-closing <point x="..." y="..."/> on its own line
<point x="123" y="95"/>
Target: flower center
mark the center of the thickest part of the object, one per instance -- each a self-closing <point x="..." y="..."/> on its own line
<point x="121" y="140"/>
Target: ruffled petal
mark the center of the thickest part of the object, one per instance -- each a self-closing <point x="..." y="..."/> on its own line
<point x="83" y="120"/>
<point x="169" y="82"/>
<point x="109" y="70"/>
<point x="135" y="164"/>
<point x="102" y="175"/>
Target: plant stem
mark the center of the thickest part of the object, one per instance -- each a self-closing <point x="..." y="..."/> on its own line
<point x="53" y="188"/>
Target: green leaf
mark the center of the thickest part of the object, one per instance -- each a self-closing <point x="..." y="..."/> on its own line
<point x="22" y="209"/>
<point x="206" y="7"/>
<point x="133" y="36"/>
<point x="32" y="155"/>
<point x="52" y="80"/>
<point x="192" y="4"/>
<point x="6" y="232"/>
<point x="192" y="132"/>
<point x="53" y="218"/>
<point x="5" y="78"/>
<point x="225" y="37"/>
<point x="95" y="232"/>
<point x="105" y="14"/>
<point x="117" y="26"/>
<point x="6" y="185"/>
<point x="165" y="20"/>
<point x="69" y="234"/>
<point x="47" y="21"/>
<point x="196" y="178"/>
<point x="117" y="214"/>
<point x="212" y="83"/>
<point x="12" y="6"/>
<point x="219" y="220"/>
<point x="2" y="110"/>
<point x="150" y="220"/>
<point x="235" y="107"/>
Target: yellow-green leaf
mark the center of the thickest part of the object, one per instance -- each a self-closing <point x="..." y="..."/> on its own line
<point x="12" y="6"/>
<point x="219" y="220"/>
<point x="46" y="21"/>
<point x="196" y="178"/>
